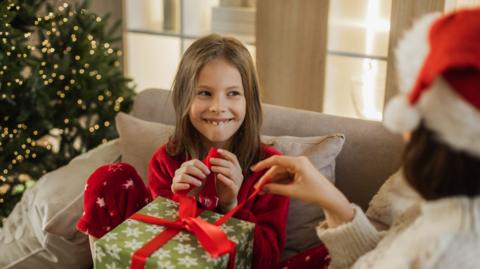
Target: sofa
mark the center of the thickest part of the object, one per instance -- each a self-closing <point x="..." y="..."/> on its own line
<point x="40" y="232"/>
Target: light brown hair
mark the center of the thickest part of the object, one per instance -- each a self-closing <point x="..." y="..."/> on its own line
<point x="436" y="170"/>
<point x="186" y="139"/>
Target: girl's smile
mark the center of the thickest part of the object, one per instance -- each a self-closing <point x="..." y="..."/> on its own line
<point x="217" y="122"/>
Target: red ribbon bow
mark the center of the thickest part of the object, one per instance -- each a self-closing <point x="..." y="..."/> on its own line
<point x="210" y="236"/>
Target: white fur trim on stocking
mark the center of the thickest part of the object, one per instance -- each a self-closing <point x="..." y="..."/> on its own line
<point x="456" y="122"/>
<point x="400" y="116"/>
<point x="412" y="51"/>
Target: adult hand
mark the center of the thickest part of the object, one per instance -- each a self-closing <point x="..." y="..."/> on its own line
<point x="297" y="177"/>
<point x="188" y="175"/>
<point x="229" y="179"/>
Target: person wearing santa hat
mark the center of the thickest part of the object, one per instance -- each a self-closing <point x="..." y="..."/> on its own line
<point x="431" y="207"/>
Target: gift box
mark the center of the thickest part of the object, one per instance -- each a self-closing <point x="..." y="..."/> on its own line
<point x="183" y="250"/>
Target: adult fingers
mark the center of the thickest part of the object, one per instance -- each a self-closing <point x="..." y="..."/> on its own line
<point x="287" y="162"/>
<point x="280" y="189"/>
<point x="275" y="174"/>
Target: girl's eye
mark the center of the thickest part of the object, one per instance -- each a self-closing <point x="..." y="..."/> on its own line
<point x="203" y="93"/>
<point x="234" y="93"/>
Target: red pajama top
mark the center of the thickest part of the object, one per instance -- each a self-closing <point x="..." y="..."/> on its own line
<point x="268" y="212"/>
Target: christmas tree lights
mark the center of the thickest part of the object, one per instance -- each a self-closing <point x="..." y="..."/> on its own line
<point x="60" y="89"/>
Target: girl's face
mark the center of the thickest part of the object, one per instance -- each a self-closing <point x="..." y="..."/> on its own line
<point x="218" y="107"/>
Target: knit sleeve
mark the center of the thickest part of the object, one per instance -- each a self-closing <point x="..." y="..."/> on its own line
<point x="392" y="200"/>
<point x="347" y="242"/>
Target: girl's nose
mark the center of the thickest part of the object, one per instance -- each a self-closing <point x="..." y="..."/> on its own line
<point x="218" y="105"/>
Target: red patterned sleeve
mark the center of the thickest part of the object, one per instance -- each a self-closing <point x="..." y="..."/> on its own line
<point x="161" y="170"/>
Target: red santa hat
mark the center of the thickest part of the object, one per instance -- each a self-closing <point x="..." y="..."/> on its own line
<point x="438" y="65"/>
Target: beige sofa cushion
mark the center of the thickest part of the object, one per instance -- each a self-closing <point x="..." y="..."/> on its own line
<point x="40" y="232"/>
<point x="139" y="139"/>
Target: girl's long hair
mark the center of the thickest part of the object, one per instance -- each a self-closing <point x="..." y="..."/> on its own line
<point x="186" y="140"/>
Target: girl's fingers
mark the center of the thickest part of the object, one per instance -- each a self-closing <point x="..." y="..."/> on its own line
<point x="229" y="156"/>
<point x="198" y="164"/>
<point x="222" y="170"/>
<point x="221" y="162"/>
<point x="195" y="171"/>
<point x="189" y="180"/>
<point x="228" y="182"/>
<point x="180" y="186"/>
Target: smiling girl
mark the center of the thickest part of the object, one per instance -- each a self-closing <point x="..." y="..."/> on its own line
<point x="217" y="104"/>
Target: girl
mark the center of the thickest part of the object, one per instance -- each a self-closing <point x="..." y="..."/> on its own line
<point x="217" y="104"/>
<point x="439" y="227"/>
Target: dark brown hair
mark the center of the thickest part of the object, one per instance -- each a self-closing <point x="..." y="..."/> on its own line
<point x="186" y="139"/>
<point x="436" y="170"/>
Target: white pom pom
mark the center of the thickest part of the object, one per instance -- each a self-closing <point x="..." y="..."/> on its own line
<point x="400" y="116"/>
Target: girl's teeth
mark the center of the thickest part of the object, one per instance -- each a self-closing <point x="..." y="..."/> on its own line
<point x="216" y="123"/>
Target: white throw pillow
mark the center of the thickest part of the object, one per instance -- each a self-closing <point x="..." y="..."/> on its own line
<point x="40" y="232"/>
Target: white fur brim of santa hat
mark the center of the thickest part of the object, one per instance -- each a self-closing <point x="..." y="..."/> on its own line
<point x="434" y="46"/>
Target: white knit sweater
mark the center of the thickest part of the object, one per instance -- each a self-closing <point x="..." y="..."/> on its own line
<point x="417" y="234"/>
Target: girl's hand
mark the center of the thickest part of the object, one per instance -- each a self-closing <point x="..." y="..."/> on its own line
<point x="297" y="177"/>
<point x="188" y="175"/>
<point x="229" y="179"/>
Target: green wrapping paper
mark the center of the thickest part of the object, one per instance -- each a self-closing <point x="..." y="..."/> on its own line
<point x="115" y="249"/>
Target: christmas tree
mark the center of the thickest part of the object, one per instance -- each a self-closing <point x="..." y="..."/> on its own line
<point x="61" y="86"/>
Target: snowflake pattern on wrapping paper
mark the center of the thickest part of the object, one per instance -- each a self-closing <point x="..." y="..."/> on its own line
<point x="110" y="236"/>
<point x="129" y="232"/>
<point x="208" y="258"/>
<point x="227" y="228"/>
<point x="165" y="265"/>
<point x="181" y="237"/>
<point x="245" y="225"/>
<point x="154" y="229"/>
<point x="171" y="213"/>
<point x="162" y="254"/>
<point x="112" y="266"/>
<point x="130" y="222"/>
<point x="113" y="250"/>
<point x="151" y="208"/>
<point x="133" y="244"/>
<point x="182" y="249"/>
<point x="99" y="254"/>
<point x="188" y="261"/>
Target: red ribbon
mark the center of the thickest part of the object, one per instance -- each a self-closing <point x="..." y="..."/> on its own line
<point x="208" y="197"/>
